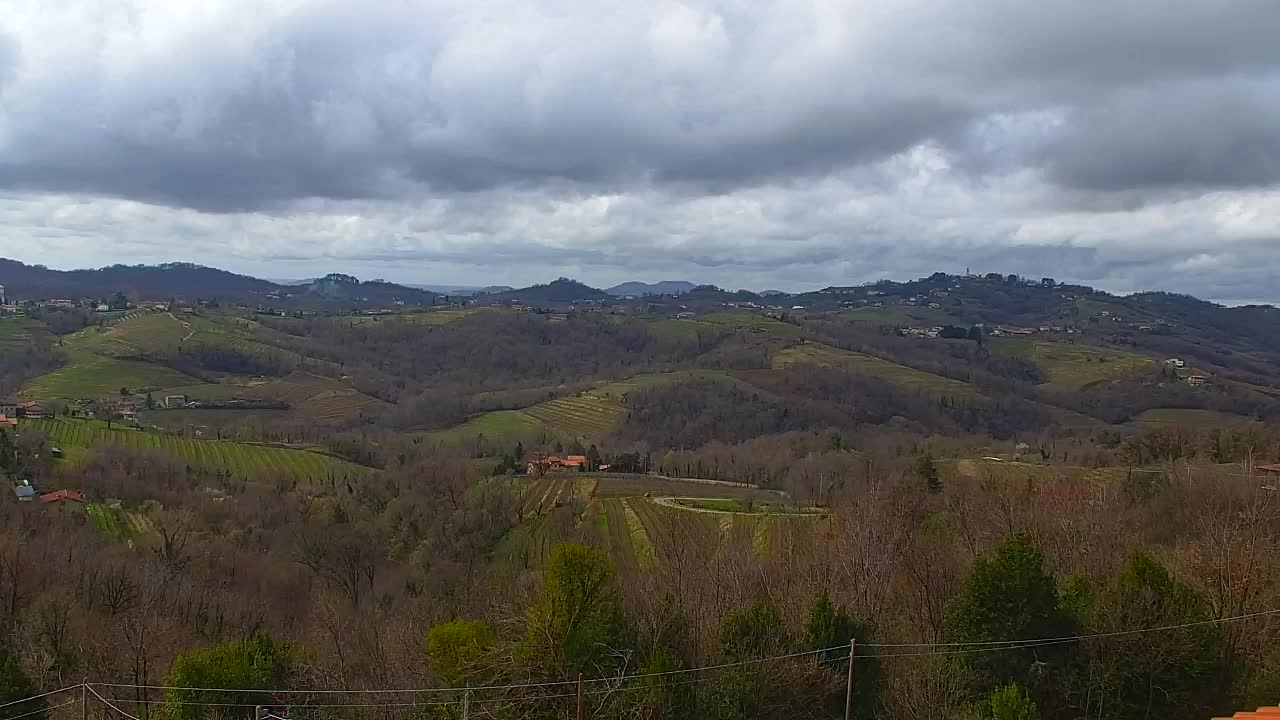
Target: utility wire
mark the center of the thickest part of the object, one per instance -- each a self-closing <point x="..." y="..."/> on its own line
<point x="35" y="712"/>
<point x="1076" y="638"/>
<point x="926" y="649"/>
<point x="108" y="704"/>
<point x="37" y="697"/>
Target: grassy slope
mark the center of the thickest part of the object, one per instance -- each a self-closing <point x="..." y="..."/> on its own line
<point x="242" y="459"/>
<point x="90" y="375"/>
<point x="811" y="353"/>
<point x="1070" y="365"/>
<point x="752" y="322"/>
<point x="589" y="415"/>
<point x="501" y="426"/>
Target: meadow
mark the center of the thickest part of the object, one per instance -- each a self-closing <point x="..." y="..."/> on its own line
<point x="1069" y="365"/>
<point x="812" y="353"/>
<point x="87" y="374"/>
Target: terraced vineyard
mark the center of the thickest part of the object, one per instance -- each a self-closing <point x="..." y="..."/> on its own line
<point x="313" y="395"/>
<point x="587" y="415"/>
<point x="241" y="459"/>
<point x="133" y="335"/>
<point x="812" y="353"/>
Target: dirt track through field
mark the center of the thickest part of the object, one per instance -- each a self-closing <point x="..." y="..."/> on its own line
<point x="672" y="502"/>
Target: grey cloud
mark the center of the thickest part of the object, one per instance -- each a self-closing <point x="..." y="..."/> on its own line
<point x="1203" y="135"/>
<point x="347" y="100"/>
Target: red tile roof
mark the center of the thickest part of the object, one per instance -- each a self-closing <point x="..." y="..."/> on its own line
<point x="58" y="495"/>
<point x="1270" y="468"/>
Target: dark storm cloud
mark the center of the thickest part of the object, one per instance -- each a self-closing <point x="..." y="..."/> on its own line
<point x="346" y="100"/>
<point x="1208" y="134"/>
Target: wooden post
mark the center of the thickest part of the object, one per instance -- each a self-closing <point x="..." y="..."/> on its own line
<point x="581" y="707"/>
<point x="466" y="705"/>
<point x="84" y="699"/>
<point x="848" y="692"/>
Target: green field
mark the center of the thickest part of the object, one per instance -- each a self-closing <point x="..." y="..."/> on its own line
<point x="752" y="322"/>
<point x="501" y="427"/>
<point x="120" y="524"/>
<point x="88" y="375"/>
<point x="811" y="353"/>
<point x="1068" y="365"/>
<point x="902" y="315"/>
<point x="588" y="415"/>
<point x="240" y="459"/>
<point x="16" y="331"/>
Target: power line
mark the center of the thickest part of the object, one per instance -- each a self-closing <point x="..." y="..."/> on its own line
<point x="1076" y="638"/>
<point x="928" y="649"/>
<point x="108" y="704"/>
<point x="37" y="697"/>
<point x="36" y="712"/>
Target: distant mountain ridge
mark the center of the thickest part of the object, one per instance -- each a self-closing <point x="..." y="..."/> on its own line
<point x="191" y="281"/>
<point x="640" y="289"/>
<point x="563" y="290"/>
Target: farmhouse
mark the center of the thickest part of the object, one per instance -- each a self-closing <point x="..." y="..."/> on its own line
<point x="1197" y="380"/>
<point x="62" y="496"/>
<point x="541" y="464"/>
<point x="31" y="410"/>
<point x="1176" y="363"/>
<point x="1270" y="470"/>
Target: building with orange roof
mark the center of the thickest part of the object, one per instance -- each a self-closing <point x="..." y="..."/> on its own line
<point x="62" y="496"/>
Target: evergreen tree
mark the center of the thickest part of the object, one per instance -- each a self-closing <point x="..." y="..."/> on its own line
<point x="927" y="471"/>
<point x="14" y="686"/>
<point x="1010" y="596"/>
<point x="1173" y="674"/>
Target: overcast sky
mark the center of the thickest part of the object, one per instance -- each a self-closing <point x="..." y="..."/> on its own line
<point x="1127" y="144"/>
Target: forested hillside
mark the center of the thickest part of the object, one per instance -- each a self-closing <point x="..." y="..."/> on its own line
<point x="1018" y="499"/>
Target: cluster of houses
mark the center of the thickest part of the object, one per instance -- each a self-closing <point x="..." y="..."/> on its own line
<point x="11" y="410"/>
<point x="538" y="463"/>
<point x="1179" y="366"/>
<point x="28" y="493"/>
